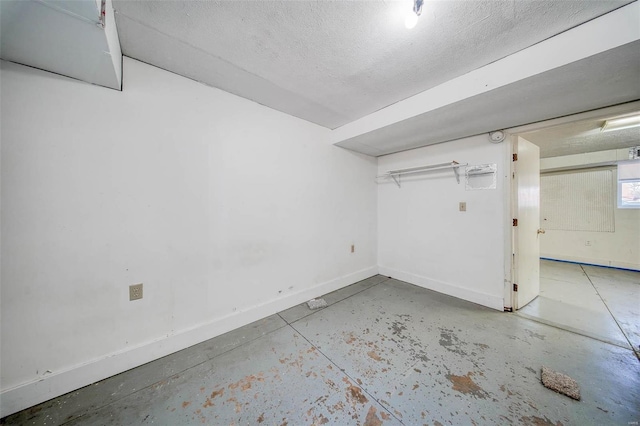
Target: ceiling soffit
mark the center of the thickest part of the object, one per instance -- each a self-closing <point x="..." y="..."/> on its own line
<point x="602" y="80"/>
<point x="334" y="62"/>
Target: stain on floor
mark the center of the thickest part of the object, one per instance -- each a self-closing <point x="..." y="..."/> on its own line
<point x="538" y="421"/>
<point x="391" y="354"/>
<point x="372" y="419"/>
<point x="466" y="385"/>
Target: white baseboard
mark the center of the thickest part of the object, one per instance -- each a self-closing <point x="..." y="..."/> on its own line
<point x="32" y="393"/>
<point x="590" y="261"/>
<point x="490" y="301"/>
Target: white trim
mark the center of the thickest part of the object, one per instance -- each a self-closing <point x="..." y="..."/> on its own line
<point x="513" y="230"/>
<point x="29" y="394"/>
<point x="464" y="293"/>
<point x="508" y="221"/>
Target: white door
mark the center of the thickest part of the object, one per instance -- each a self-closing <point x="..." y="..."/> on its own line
<point x="526" y="232"/>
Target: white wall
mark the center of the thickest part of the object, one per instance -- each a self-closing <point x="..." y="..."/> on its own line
<point x="423" y="237"/>
<point x="620" y="248"/>
<point x="226" y="210"/>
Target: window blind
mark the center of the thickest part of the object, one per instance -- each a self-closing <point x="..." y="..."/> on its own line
<point x="578" y="201"/>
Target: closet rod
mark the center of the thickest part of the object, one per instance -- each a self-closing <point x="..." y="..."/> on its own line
<point x="424" y="168"/>
<point x="395" y="174"/>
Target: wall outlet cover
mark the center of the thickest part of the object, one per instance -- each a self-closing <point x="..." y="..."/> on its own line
<point x="135" y="291"/>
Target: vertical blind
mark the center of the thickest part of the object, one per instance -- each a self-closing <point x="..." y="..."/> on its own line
<point x="578" y="201"/>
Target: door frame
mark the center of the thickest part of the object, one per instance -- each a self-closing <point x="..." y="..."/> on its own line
<point x="516" y="231"/>
<point x="509" y="200"/>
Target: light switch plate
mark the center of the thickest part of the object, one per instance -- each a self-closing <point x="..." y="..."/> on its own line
<point x="463" y="206"/>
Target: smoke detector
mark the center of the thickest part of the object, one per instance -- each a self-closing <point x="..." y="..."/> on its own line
<point x="497" y="136"/>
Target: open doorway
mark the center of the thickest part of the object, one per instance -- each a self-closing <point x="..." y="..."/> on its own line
<point x="590" y="225"/>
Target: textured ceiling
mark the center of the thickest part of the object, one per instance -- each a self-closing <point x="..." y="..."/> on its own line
<point x="606" y="79"/>
<point x="333" y="62"/>
<point x="582" y="137"/>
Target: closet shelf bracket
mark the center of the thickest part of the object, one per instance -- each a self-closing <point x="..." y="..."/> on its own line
<point x="396" y="174"/>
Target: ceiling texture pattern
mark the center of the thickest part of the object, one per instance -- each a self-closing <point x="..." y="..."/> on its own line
<point x="582" y="137"/>
<point x="333" y="62"/>
<point x="468" y="67"/>
<point x="609" y="78"/>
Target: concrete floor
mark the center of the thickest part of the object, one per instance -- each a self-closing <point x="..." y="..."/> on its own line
<point x="382" y="352"/>
<point x="602" y="303"/>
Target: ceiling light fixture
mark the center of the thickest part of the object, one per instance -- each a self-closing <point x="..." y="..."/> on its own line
<point x="411" y="19"/>
<point x="621" y="123"/>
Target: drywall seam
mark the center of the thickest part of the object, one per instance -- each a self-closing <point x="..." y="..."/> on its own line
<point x="29" y="394"/>
<point x="449" y="289"/>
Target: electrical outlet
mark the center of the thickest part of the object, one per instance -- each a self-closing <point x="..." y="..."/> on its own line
<point x="463" y="206"/>
<point x="587" y="243"/>
<point x="353" y="248"/>
<point x="135" y="291"/>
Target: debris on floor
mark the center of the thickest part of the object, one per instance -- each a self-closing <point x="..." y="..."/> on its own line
<point x="560" y="383"/>
<point x="316" y="303"/>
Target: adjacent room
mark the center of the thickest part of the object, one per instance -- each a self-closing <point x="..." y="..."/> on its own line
<point x="590" y="214"/>
<point x="319" y="212"/>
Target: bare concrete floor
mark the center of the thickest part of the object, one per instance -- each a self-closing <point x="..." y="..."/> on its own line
<point x="602" y="303"/>
<point x="382" y="352"/>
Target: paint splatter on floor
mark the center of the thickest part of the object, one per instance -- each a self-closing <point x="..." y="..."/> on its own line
<point x="538" y="421"/>
<point x="374" y="355"/>
<point x="464" y="384"/>
<point x="351" y="366"/>
<point x="354" y="393"/>
<point x="372" y="419"/>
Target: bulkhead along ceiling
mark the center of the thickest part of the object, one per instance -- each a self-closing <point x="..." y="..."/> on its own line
<point x="332" y="62"/>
